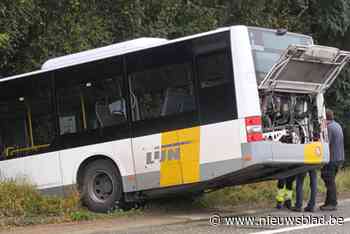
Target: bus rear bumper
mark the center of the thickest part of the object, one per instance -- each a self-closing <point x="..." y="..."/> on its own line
<point x="268" y="160"/>
<point x="267" y="152"/>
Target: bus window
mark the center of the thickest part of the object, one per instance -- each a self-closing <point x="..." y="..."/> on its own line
<point x="163" y="91"/>
<point x="69" y="110"/>
<point x="104" y="103"/>
<point x="13" y="126"/>
<point x="215" y="78"/>
<point x="26" y="116"/>
<point x="164" y="86"/>
<point x="42" y="112"/>
<point x="89" y="96"/>
<point x="267" y="48"/>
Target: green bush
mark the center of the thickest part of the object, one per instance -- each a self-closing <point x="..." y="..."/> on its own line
<point x="254" y="194"/>
<point x="21" y="204"/>
<point x="18" y="198"/>
<point x="81" y="215"/>
<point x="264" y="193"/>
<point x="343" y="180"/>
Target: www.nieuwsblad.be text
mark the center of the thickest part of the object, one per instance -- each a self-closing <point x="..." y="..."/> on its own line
<point x="269" y="220"/>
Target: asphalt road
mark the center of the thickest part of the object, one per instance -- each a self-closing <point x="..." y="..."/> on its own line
<point x="197" y="221"/>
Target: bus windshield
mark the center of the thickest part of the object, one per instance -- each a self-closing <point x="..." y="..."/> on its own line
<point x="267" y="48"/>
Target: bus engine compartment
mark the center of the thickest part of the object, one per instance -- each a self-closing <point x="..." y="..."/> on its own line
<point x="290" y="117"/>
<point x="291" y="93"/>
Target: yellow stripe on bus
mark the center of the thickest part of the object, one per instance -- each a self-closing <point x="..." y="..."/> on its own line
<point x="190" y="154"/>
<point x="170" y="170"/>
<point x="180" y="157"/>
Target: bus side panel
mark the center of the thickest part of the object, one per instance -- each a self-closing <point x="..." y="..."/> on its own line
<point x="188" y="155"/>
<point x="147" y="156"/>
<point x="167" y="159"/>
<point x="221" y="148"/>
<point x="245" y="79"/>
<point x="119" y="151"/>
<point x="41" y="170"/>
<point x="190" y="139"/>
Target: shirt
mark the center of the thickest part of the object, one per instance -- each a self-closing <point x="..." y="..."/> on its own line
<point x="336" y="141"/>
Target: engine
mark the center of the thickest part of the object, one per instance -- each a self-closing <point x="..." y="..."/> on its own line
<point x="289" y="118"/>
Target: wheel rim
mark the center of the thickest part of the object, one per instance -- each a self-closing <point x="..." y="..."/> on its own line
<point x="102" y="186"/>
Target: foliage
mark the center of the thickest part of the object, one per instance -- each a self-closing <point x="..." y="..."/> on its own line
<point x="18" y="198"/>
<point x="32" y="31"/>
<point x="21" y="204"/>
<point x="262" y="194"/>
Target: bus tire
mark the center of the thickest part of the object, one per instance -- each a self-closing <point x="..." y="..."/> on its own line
<point x="102" y="186"/>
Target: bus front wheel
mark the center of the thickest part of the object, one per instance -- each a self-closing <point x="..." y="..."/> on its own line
<point x="102" y="186"/>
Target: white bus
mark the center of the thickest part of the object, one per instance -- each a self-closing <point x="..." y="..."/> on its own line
<point x="153" y="117"/>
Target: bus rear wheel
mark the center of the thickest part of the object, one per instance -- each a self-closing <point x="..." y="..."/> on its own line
<point x="102" y="186"/>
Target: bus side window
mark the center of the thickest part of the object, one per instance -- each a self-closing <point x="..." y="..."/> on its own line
<point x="104" y="103"/>
<point x="69" y="110"/>
<point x="13" y="126"/>
<point x="162" y="83"/>
<point x="216" y="91"/>
<point x="215" y="77"/>
<point x="89" y="96"/>
<point x="42" y="112"/>
<point x="27" y="123"/>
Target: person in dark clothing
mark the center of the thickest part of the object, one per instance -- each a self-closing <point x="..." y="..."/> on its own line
<point x="285" y="193"/>
<point x="299" y="192"/>
<point x="336" y="159"/>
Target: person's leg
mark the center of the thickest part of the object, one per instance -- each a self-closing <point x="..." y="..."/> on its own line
<point x="324" y="176"/>
<point x="313" y="189"/>
<point x="332" y="186"/>
<point x="280" y="193"/>
<point x="280" y="183"/>
<point x="299" y="190"/>
<point x="289" y="182"/>
<point x="331" y="199"/>
<point x="289" y="192"/>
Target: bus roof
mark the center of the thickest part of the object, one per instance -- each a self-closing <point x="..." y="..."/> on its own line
<point x="102" y="52"/>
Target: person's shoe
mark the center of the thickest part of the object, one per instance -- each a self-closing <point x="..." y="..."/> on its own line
<point x="309" y="209"/>
<point x="328" y="208"/>
<point x="288" y="204"/>
<point x="296" y="209"/>
<point x="279" y="205"/>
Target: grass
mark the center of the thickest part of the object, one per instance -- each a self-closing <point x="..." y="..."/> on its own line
<point x="21" y="204"/>
<point x="263" y="194"/>
<point x="343" y="180"/>
<point x="21" y="199"/>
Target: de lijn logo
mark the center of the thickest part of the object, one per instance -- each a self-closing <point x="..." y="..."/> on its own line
<point x="165" y="153"/>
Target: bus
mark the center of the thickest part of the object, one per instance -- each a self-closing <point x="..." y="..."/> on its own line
<point x="153" y="117"/>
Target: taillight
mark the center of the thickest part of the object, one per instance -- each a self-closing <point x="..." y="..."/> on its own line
<point x="254" y="129"/>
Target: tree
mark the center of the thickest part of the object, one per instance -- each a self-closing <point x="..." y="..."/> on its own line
<point x="32" y="31"/>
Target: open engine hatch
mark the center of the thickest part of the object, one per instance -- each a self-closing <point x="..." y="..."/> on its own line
<point x="305" y="69"/>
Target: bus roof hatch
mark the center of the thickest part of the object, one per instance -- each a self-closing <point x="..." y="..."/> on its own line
<point x="305" y="69"/>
